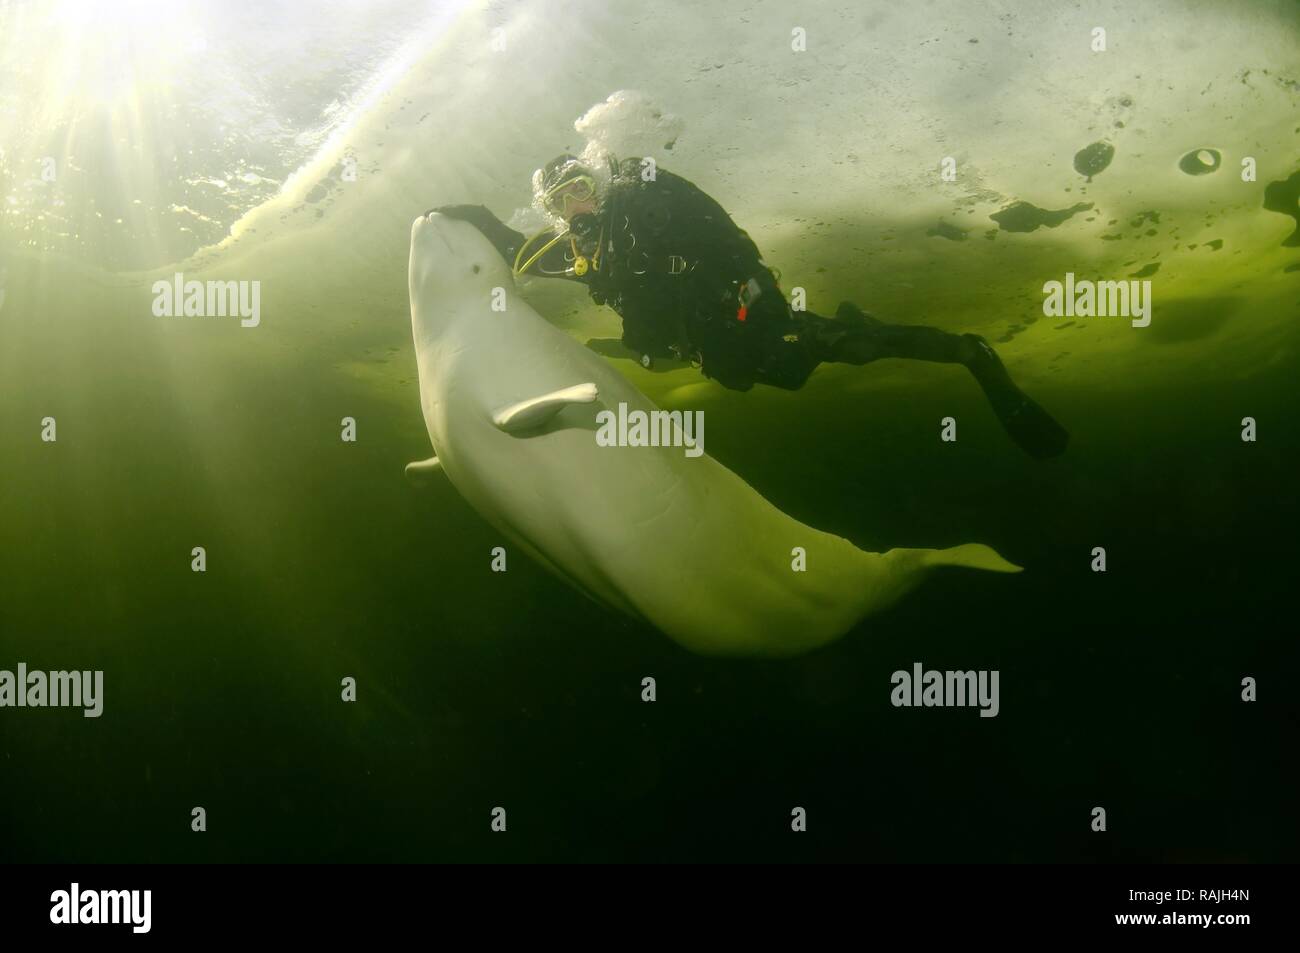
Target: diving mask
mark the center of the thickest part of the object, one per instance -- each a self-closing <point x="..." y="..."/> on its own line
<point x="572" y="191"/>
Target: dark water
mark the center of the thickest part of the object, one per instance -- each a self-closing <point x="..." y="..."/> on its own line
<point x="479" y="689"/>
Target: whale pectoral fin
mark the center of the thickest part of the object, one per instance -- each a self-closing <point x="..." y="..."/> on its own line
<point x="420" y="472"/>
<point x="531" y="414"/>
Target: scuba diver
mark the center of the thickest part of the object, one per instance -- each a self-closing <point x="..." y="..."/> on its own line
<point x="690" y="284"/>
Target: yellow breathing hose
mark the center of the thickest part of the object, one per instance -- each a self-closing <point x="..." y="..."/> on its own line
<point x="595" y="261"/>
<point x="545" y="248"/>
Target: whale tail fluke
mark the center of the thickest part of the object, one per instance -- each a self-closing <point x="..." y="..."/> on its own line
<point x="908" y="567"/>
<point x="969" y="556"/>
<point x="915" y="563"/>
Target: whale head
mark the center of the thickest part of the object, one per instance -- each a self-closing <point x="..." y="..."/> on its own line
<point x="451" y="263"/>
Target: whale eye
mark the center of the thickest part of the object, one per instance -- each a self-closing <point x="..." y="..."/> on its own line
<point x="476" y="269"/>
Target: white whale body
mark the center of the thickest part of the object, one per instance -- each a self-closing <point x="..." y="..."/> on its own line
<point x="678" y="541"/>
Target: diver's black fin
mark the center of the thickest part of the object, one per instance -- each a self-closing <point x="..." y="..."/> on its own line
<point x="1028" y="424"/>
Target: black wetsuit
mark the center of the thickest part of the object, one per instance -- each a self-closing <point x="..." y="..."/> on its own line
<point x="690" y="284"/>
<point x="672" y="264"/>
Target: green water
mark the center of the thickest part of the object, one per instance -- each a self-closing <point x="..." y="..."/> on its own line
<point x="477" y="689"/>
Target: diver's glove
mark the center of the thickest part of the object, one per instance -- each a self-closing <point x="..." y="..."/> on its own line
<point x="477" y="215"/>
<point x="474" y="214"/>
<point x="504" y="238"/>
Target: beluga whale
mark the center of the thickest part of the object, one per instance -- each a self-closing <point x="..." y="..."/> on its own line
<point x="516" y="410"/>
